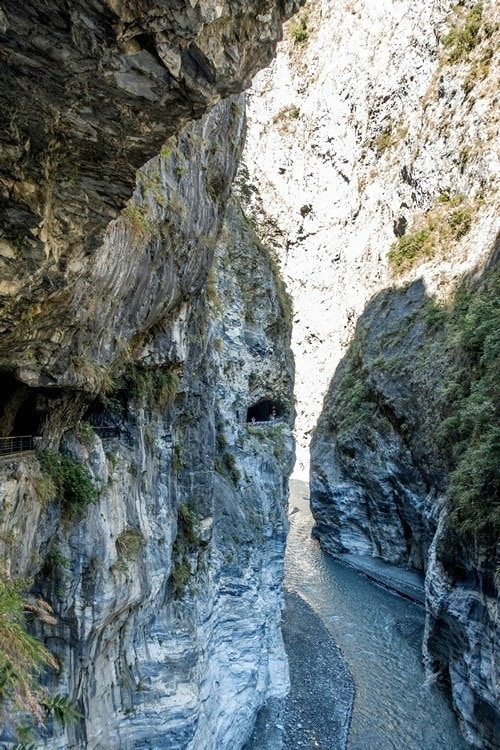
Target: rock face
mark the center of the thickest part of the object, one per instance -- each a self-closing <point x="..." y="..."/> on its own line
<point x="462" y="631"/>
<point x="381" y="483"/>
<point x="396" y="474"/>
<point x="368" y="493"/>
<point x="152" y="519"/>
<point x="113" y="81"/>
<point x="88" y="95"/>
<point x="167" y="590"/>
<point x="384" y="156"/>
<point x="353" y="131"/>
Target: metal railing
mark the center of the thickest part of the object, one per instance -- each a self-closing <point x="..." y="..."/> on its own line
<point x="16" y="444"/>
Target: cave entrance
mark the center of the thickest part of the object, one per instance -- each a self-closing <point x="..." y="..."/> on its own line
<point x="106" y="414"/>
<point x="264" y="411"/>
<point x="23" y="409"/>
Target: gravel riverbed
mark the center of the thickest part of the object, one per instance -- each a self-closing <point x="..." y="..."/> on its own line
<point x="317" y="712"/>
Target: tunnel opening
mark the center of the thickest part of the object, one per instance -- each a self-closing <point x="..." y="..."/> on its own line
<point x="106" y="414"/>
<point x="265" y="410"/>
<point x="23" y="409"/>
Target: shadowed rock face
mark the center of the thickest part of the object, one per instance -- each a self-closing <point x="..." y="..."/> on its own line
<point x="88" y="93"/>
<point x="72" y="319"/>
<point x="167" y="589"/>
<point x="379" y="478"/>
<point x="373" y="485"/>
<point x="461" y="631"/>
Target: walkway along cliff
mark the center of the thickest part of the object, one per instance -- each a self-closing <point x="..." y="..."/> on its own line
<point x="140" y="318"/>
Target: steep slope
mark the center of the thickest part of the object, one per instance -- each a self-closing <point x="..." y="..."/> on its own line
<point x="405" y="468"/>
<point x="354" y="129"/>
<point x="167" y="588"/>
<point x="151" y="517"/>
<point x="113" y="81"/>
<point x="98" y="89"/>
<point x="385" y="164"/>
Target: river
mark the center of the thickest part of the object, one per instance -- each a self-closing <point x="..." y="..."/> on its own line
<point x="380" y="636"/>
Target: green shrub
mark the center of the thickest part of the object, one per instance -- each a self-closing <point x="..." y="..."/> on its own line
<point x="85" y="432"/>
<point x="188" y="522"/>
<point x="352" y="404"/>
<point x="181" y="573"/>
<point x="446" y="222"/>
<point x="300" y="33"/>
<point x="226" y="467"/>
<point x="468" y="435"/>
<point x="141" y="381"/>
<point x="384" y="140"/>
<point x="389" y="137"/>
<point x="411" y="248"/>
<point x="155" y="387"/>
<point x="72" y="480"/>
<point x="186" y="541"/>
<point x="460" y="222"/>
<point x="167" y="386"/>
<point x="166" y="150"/>
<point x="461" y="40"/>
<point x="474" y="488"/>
<point x="22" y="657"/>
<point x="45" y="489"/>
<point x="138" y="221"/>
<point x="177" y="457"/>
<point x="62" y="708"/>
<point x="435" y="315"/>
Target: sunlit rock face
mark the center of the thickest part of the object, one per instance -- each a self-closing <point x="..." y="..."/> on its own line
<point x="374" y="127"/>
<point x="352" y="133"/>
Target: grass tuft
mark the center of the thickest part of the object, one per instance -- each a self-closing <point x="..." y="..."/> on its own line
<point x="300" y="33"/>
<point x="22" y="657"/>
<point x="129" y="543"/>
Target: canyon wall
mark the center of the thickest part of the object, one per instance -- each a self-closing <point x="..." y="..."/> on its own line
<point x="152" y="516"/>
<point x="373" y="172"/>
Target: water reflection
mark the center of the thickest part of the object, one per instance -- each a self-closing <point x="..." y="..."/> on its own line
<point x="380" y="636"/>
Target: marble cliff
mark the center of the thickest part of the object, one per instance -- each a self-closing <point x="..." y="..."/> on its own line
<point x="382" y="201"/>
<point x="140" y="319"/>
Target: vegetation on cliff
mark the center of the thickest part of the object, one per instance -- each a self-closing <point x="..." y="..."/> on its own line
<point x="468" y="433"/>
<point x="431" y="371"/>
<point x="70" y="480"/>
<point x="432" y="233"/>
<point x="23" y="659"/>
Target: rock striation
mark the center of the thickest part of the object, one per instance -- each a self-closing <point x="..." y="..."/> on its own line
<point x="167" y="589"/>
<point x="353" y="131"/>
<point x="98" y="89"/>
<point x="382" y="202"/>
<point x="387" y="483"/>
<point x="152" y="517"/>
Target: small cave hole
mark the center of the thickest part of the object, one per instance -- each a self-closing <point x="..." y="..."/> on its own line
<point x="106" y="414"/>
<point x="264" y="410"/>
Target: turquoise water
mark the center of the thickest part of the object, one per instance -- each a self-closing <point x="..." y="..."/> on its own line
<point x="380" y="636"/>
